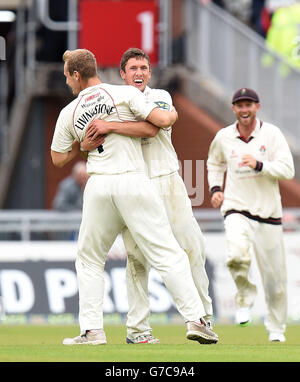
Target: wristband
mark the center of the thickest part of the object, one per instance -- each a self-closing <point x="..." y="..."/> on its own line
<point x="259" y="166"/>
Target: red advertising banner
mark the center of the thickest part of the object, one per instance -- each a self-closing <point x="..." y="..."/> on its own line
<point x="108" y="28"/>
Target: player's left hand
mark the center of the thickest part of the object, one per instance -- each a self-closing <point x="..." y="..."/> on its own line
<point x="249" y="160"/>
<point x="96" y="128"/>
<point x="90" y="144"/>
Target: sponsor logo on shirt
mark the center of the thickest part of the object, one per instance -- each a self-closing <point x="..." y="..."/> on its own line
<point x="262" y="149"/>
<point x="233" y="154"/>
<point x="91" y="97"/>
<point x="163" y="105"/>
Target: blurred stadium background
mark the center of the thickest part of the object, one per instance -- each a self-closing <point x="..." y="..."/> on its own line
<point x="201" y="52"/>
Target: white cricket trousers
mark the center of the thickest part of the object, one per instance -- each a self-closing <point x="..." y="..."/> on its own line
<point x="266" y="240"/>
<point x="187" y="232"/>
<point x="110" y="202"/>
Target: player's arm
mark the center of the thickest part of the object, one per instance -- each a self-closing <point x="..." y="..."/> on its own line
<point x="61" y="159"/>
<point x="99" y="128"/>
<point x="84" y="153"/>
<point x="162" y="118"/>
<point x="141" y="129"/>
<point x="279" y="164"/>
<point x="216" y="167"/>
<point x="63" y="147"/>
<point x="150" y="111"/>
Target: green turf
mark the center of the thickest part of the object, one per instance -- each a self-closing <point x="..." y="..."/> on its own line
<point x="237" y="344"/>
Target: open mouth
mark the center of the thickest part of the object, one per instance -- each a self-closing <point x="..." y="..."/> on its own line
<point x="138" y="81"/>
<point x="246" y="116"/>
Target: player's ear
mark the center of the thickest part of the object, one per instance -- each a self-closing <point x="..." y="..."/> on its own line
<point x="122" y="74"/>
<point x="77" y="75"/>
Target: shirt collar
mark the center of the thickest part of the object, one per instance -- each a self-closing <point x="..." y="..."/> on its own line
<point x="146" y="90"/>
<point x="254" y="132"/>
<point x="88" y="90"/>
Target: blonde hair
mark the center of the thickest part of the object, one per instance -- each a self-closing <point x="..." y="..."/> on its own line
<point x="82" y="61"/>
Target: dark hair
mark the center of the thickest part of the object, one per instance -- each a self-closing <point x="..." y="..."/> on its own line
<point x="133" y="53"/>
<point x="82" y="61"/>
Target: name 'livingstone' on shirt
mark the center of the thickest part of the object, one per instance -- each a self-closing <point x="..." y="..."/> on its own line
<point x="87" y="116"/>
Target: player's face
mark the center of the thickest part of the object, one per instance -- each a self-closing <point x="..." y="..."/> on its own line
<point x="72" y="80"/>
<point x="245" y="112"/>
<point x="137" y="73"/>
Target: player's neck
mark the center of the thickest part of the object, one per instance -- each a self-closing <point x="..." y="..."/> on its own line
<point x="90" y="82"/>
<point x="246" y="130"/>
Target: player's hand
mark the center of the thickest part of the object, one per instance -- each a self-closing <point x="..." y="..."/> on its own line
<point x="96" y="128"/>
<point x="249" y="160"/>
<point x="217" y="199"/>
<point x="174" y="114"/>
<point x="90" y="143"/>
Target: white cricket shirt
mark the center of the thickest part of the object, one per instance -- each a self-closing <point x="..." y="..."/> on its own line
<point x="158" y="152"/>
<point x="246" y="189"/>
<point x="116" y="103"/>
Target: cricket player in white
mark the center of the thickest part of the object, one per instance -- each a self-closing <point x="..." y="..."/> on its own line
<point x="254" y="154"/>
<point x="162" y="168"/>
<point x="118" y="194"/>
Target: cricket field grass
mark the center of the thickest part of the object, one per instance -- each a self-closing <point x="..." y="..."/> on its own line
<point x="237" y="344"/>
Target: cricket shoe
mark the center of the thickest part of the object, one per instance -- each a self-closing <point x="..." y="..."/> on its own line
<point x="143" y="339"/>
<point x="276" y="337"/>
<point x="209" y="325"/>
<point x="242" y="316"/>
<point x="200" y="331"/>
<point x="91" y="337"/>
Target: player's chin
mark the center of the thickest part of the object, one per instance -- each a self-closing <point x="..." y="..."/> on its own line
<point x="140" y="86"/>
<point x="244" y="119"/>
